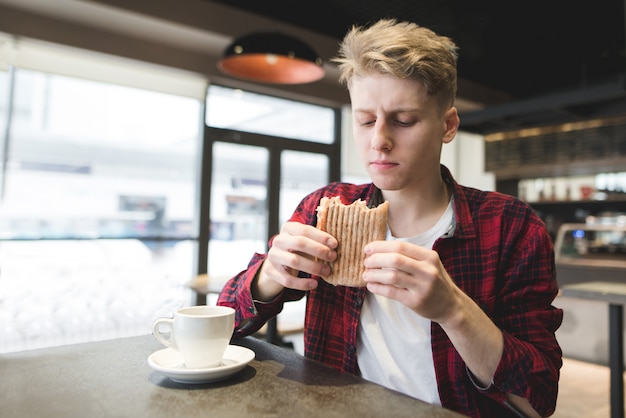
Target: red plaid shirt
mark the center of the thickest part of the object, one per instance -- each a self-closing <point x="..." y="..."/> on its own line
<point x="500" y="254"/>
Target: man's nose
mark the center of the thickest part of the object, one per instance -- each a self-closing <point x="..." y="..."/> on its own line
<point x="381" y="137"/>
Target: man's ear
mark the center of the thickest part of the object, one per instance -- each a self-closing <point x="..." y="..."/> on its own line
<point x="452" y="121"/>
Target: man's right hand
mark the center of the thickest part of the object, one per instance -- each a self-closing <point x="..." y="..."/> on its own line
<point x="297" y="248"/>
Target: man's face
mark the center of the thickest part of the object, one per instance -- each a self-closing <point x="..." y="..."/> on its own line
<point x="399" y="130"/>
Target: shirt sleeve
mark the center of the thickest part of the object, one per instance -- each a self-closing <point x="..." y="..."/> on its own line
<point x="501" y="255"/>
<point x="237" y="294"/>
<point x="531" y="357"/>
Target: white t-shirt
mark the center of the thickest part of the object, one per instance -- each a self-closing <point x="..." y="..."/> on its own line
<point x="393" y="342"/>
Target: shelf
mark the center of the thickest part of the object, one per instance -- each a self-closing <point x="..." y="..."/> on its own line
<point x="580" y="203"/>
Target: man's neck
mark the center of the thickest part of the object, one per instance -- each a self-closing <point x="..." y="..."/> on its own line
<point x="411" y="213"/>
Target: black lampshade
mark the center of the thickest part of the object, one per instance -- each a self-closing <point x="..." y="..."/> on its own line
<point x="271" y="57"/>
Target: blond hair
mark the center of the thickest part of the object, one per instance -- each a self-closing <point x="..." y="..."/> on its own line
<point x="403" y="50"/>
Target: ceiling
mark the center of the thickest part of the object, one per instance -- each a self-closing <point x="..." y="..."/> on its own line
<point x="529" y="63"/>
<point x="522" y="64"/>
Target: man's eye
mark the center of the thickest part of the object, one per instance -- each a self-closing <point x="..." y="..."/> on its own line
<point x="367" y="122"/>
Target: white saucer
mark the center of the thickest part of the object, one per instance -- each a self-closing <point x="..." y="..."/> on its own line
<point x="170" y="363"/>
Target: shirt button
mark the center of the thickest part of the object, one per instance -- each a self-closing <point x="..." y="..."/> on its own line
<point x="358" y="302"/>
<point x="350" y="349"/>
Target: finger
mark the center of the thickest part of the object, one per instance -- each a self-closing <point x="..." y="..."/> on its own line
<point x="300" y="283"/>
<point x="288" y="277"/>
<point x="308" y="231"/>
<point x="395" y="246"/>
<point x="385" y="276"/>
<point x="402" y="272"/>
<point x="305" y="246"/>
<point x="381" y="262"/>
<point x="391" y="292"/>
<point x="296" y="261"/>
<point x="402" y="256"/>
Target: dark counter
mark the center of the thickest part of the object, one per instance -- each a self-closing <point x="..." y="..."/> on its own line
<point x="113" y="378"/>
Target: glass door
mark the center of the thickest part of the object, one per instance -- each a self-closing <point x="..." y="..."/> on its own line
<point x="239" y="201"/>
<point x="301" y="173"/>
<point x="254" y="185"/>
<point x="238" y="209"/>
<point x="261" y="156"/>
<point x="253" y="190"/>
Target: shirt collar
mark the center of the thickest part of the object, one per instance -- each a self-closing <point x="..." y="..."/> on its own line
<point x="463" y="226"/>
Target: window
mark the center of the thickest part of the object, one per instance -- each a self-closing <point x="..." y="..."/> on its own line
<point x="99" y="215"/>
<point x="98" y="212"/>
<point x="240" y="110"/>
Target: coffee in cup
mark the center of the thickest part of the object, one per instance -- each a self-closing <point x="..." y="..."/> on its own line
<point x="200" y="333"/>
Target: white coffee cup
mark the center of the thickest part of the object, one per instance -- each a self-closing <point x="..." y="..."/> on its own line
<point x="200" y="333"/>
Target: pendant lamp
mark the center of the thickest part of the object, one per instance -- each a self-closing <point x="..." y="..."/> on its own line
<point x="271" y="57"/>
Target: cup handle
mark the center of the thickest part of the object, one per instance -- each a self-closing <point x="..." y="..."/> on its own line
<point x="168" y="322"/>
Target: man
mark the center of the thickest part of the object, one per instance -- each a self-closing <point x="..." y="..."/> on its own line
<point x="458" y="308"/>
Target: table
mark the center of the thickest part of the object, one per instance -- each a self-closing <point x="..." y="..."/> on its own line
<point x="615" y="294"/>
<point x="113" y="379"/>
